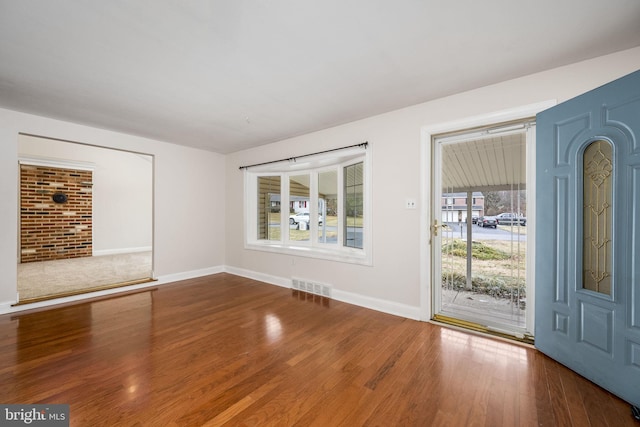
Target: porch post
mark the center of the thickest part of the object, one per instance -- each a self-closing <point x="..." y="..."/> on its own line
<point x="469" y="240"/>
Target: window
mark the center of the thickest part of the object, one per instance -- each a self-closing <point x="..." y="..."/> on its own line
<point x="354" y="205"/>
<point x="269" y="208"/>
<point x="317" y="208"/>
<point x="328" y="206"/>
<point x="299" y="207"/>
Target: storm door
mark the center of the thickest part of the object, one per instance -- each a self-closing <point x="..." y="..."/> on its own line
<point x="480" y="229"/>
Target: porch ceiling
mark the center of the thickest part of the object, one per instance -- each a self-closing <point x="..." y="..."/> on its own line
<point x="488" y="163"/>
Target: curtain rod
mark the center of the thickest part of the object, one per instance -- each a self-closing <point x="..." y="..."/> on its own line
<point x="293" y="159"/>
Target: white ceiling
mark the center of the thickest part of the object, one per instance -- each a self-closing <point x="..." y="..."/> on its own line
<point x="230" y="75"/>
<point x="488" y="163"/>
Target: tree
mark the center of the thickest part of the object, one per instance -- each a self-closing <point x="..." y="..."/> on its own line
<point x="496" y="202"/>
<point x="491" y="202"/>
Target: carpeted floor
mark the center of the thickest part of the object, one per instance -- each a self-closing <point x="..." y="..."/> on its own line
<point x="41" y="279"/>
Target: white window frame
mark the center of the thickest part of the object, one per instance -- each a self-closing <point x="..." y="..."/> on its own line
<point x="312" y="165"/>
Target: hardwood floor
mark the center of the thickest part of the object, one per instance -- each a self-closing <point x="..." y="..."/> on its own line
<point x="225" y="350"/>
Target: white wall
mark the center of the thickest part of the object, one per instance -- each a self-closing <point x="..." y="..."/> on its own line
<point x="198" y="195"/>
<point x="122" y="191"/>
<point x="189" y="194"/>
<point x="393" y="283"/>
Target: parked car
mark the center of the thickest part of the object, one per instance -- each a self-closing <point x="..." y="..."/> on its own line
<point x="510" y="218"/>
<point x="302" y="216"/>
<point x="487" y="221"/>
<point x="474" y="219"/>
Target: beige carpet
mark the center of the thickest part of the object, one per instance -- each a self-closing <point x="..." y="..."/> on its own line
<point x="41" y="279"/>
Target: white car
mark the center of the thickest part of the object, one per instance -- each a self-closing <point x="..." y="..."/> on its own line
<point x="302" y="216"/>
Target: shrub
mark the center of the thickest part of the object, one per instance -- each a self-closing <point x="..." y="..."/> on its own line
<point x="496" y="286"/>
<point x="478" y="250"/>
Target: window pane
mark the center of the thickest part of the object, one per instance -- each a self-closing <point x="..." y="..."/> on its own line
<point x="299" y="203"/>
<point x="597" y="217"/>
<point x="269" y="208"/>
<point x="354" y="213"/>
<point x="328" y="206"/>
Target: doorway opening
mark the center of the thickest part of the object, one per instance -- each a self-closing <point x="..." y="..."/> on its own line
<point x="86" y="218"/>
<point x="481" y="242"/>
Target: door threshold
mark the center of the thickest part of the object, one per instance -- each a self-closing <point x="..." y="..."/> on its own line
<point x="81" y="291"/>
<point x="523" y="338"/>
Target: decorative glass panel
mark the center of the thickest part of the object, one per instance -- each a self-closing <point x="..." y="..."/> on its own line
<point x="597" y="217"/>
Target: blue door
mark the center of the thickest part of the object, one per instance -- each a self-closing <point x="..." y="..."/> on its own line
<point x="588" y="235"/>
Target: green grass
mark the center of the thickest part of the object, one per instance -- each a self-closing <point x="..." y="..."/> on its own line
<point x="498" y="269"/>
<point x="478" y="251"/>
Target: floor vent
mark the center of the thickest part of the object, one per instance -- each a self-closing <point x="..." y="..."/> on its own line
<point x="311" y="287"/>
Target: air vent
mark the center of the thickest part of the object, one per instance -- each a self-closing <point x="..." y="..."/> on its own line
<point x="311" y="287"/>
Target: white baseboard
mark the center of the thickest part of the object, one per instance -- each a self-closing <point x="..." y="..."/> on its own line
<point x="377" y="304"/>
<point x="122" y="250"/>
<point x="176" y="277"/>
<point x="7" y="306"/>
<point x="261" y="277"/>
<point x="389" y="307"/>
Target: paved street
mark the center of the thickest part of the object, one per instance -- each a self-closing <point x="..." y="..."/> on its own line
<point x="483" y="233"/>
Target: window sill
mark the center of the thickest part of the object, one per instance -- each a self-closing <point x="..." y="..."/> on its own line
<point x="345" y="255"/>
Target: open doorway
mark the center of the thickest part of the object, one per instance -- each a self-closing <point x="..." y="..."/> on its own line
<point x="86" y="218"/>
<point x="480" y="243"/>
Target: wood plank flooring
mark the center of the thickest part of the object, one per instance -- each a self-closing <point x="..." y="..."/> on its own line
<point x="226" y="350"/>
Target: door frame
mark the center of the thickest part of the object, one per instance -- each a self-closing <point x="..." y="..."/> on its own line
<point x="426" y="203"/>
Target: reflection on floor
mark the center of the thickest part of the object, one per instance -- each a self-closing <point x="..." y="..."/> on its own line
<point x="76" y="275"/>
<point x="226" y="350"/>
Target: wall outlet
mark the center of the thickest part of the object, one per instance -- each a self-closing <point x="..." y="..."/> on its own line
<point x="410" y="203"/>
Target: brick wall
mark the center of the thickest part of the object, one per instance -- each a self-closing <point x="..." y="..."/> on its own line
<point x="50" y="230"/>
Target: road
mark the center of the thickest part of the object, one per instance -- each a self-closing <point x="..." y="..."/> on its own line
<point x="484" y="233"/>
